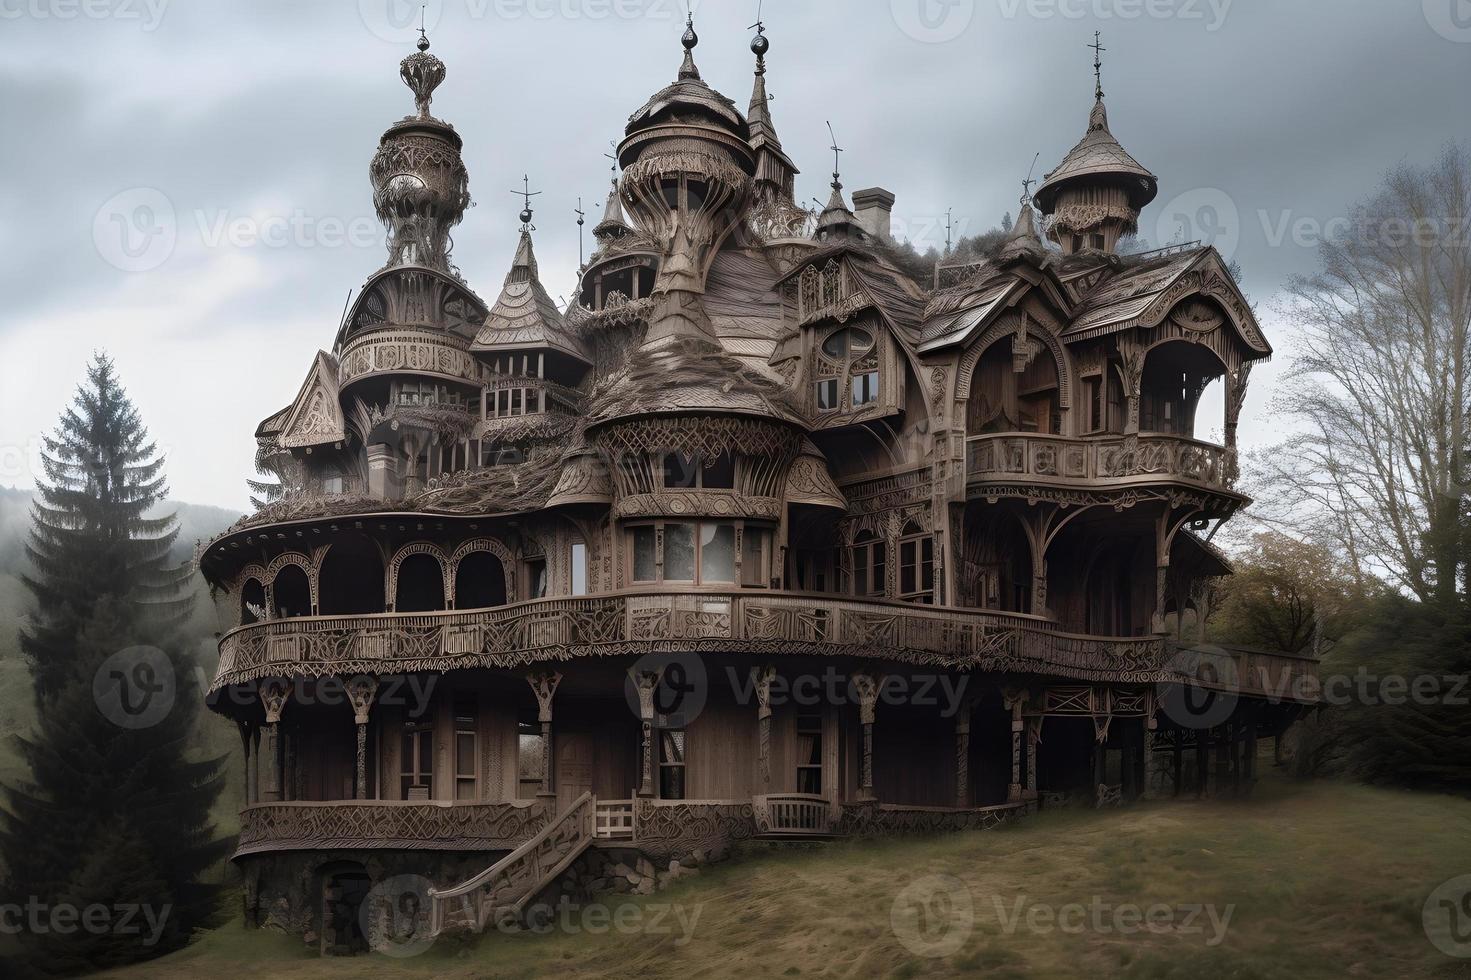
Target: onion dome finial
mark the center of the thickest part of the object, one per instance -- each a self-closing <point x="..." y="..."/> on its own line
<point x="689" y="40"/>
<point x="422" y="72"/>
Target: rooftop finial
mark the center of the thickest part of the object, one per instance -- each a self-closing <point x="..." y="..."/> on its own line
<point x="837" y="184"/>
<point x="422" y="72"/>
<point x="526" y="194"/>
<point x="581" y="220"/>
<point x="759" y="44"/>
<point x="689" y="40"/>
<point x="1027" y="182"/>
<point x="423" y="37"/>
<point x="1098" y="50"/>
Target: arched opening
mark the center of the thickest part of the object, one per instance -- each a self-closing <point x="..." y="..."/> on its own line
<point x="252" y="602"/>
<point x="292" y="592"/>
<point x="1175" y="375"/>
<point x="420" y="585"/>
<point x="351" y="579"/>
<point x="480" y="581"/>
<point x="1004" y="399"/>
<point x="345" y="886"/>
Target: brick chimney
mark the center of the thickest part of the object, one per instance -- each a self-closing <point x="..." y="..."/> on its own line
<point x="874" y="208"/>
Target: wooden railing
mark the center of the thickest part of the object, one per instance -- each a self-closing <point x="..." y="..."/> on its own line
<point x="514" y="636"/>
<point x="348" y="824"/>
<point x="613" y="820"/>
<point x="792" y="815"/>
<point x="504" y="888"/>
<point x="1096" y="461"/>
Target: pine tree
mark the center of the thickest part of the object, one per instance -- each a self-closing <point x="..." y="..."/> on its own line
<point x="116" y="810"/>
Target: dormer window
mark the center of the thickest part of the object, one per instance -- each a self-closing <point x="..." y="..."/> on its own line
<point x="819" y="289"/>
<point x="848" y="363"/>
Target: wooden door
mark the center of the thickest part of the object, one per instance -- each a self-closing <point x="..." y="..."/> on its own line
<point x="574" y="766"/>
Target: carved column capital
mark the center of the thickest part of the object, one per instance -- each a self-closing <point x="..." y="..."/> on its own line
<point x="761" y="678"/>
<point x="360" y="692"/>
<point x="866" y="684"/>
<point x="274" y="692"/>
<point x="646" y="682"/>
<point x="544" y="686"/>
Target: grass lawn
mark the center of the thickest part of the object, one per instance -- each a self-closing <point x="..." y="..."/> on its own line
<point x="1318" y="880"/>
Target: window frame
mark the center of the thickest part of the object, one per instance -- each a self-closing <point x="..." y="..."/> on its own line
<point x="660" y="528"/>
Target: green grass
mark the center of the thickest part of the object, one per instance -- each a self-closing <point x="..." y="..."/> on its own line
<point x="1326" y="880"/>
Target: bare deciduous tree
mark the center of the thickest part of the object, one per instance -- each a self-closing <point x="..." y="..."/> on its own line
<point x="1380" y="385"/>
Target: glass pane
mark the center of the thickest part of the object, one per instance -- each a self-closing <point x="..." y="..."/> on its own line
<point x="406" y="754"/>
<point x="719" y="473"/>
<point x="859" y="340"/>
<point x="717" y="552"/>
<point x="643" y="554"/>
<point x="426" y="753"/>
<point x="827" y="394"/>
<point x="906" y="567"/>
<point x="579" y="568"/>
<point x="679" y="552"/>
<point x="530" y="758"/>
<point x="464" y="754"/>
<point x="465" y="789"/>
<point x="927" y="565"/>
<point x="753" y="557"/>
<point x="679" y="470"/>
<point x="672" y="746"/>
<point x="836" y="346"/>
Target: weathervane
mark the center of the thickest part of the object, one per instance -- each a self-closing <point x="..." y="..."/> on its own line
<point x="526" y="194"/>
<point x="1028" y="181"/>
<point x="836" y="150"/>
<point x="1098" y="50"/>
<point x="948" y="227"/>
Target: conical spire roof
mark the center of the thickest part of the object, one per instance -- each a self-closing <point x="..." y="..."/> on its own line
<point x="689" y="91"/>
<point x="524" y="316"/>
<point x="837" y="219"/>
<point x="1099" y="156"/>
<point x="613" y="225"/>
<point x="772" y="162"/>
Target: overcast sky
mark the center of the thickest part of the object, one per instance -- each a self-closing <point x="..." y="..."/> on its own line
<point x="186" y="183"/>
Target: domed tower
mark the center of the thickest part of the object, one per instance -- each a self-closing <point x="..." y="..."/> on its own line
<point x="687" y="167"/>
<point x="420" y="186"/>
<point x="1093" y="198"/>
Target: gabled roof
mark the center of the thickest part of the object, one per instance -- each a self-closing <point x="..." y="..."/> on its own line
<point x="524" y="317"/>
<point x="1144" y="295"/>
<point x="315" y="417"/>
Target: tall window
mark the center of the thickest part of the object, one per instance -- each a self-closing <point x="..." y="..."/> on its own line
<point x="579" y="568"/>
<point x="1094" y="390"/>
<point x="699" y="553"/>
<point x="916" y="565"/>
<point x="671" y="763"/>
<point x="869" y="556"/>
<point x="809" y="753"/>
<point x="466" y="756"/>
<point x="847" y="360"/>
<point x="536" y="575"/>
<point x="416" y="761"/>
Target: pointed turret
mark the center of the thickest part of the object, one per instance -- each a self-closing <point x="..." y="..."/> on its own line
<point x="1095" y="195"/>
<point x="837" y="222"/>
<point x="524" y="318"/>
<point x="1023" y="240"/>
<point x="775" y="171"/>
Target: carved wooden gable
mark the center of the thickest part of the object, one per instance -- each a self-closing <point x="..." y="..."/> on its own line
<point x="315" y="418"/>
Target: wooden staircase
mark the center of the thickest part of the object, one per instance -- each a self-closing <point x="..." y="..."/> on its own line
<point x="504" y="889"/>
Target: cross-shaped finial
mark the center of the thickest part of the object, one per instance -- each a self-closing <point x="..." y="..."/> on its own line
<point x="836" y="150"/>
<point x="1098" y="50"/>
<point x="423" y="44"/>
<point x="526" y="194"/>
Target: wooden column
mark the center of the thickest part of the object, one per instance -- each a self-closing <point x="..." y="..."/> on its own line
<point x="252" y="774"/>
<point x="544" y="686"/>
<point x="761" y="678"/>
<point x="646" y="682"/>
<point x="1034" y="739"/>
<point x="1150" y="723"/>
<point x="866" y="684"/>
<point x="361" y="691"/>
<point x="1013" y="702"/>
<point x="962" y="755"/>
<point x="246" y="729"/>
<point x="273" y="694"/>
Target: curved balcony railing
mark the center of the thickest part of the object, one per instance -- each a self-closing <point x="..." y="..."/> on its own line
<point x="408" y="351"/>
<point x="387" y="824"/>
<point x="758" y="623"/>
<point x="1096" y="462"/>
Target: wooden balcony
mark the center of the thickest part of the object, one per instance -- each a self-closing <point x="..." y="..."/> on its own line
<point x="1100" y="463"/>
<point x="755" y="622"/>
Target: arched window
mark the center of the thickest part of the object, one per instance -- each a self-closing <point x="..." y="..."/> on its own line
<point x="252" y="602"/>
<point x="420" y="585"/>
<point x="351" y="580"/>
<point x="870" y="564"/>
<point x="292" y="592"/>
<point x="916" y="564"/>
<point x="480" y="581"/>
<point x="847" y="370"/>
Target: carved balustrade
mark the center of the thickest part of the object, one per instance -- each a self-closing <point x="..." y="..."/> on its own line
<point x="792" y="815"/>
<point x="1096" y="462"/>
<point x="758" y="623"/>
<point x="388" y="824"/>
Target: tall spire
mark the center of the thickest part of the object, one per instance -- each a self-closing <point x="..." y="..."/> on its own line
<point x="1098" y="50"/>
<point x="689" y="40"/>
<point x="775" y="171"/>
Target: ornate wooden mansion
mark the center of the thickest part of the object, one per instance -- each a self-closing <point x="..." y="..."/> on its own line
<point x="767" y="535"/>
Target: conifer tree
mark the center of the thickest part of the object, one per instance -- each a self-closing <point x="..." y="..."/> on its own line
<point x="116" y="810"/>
